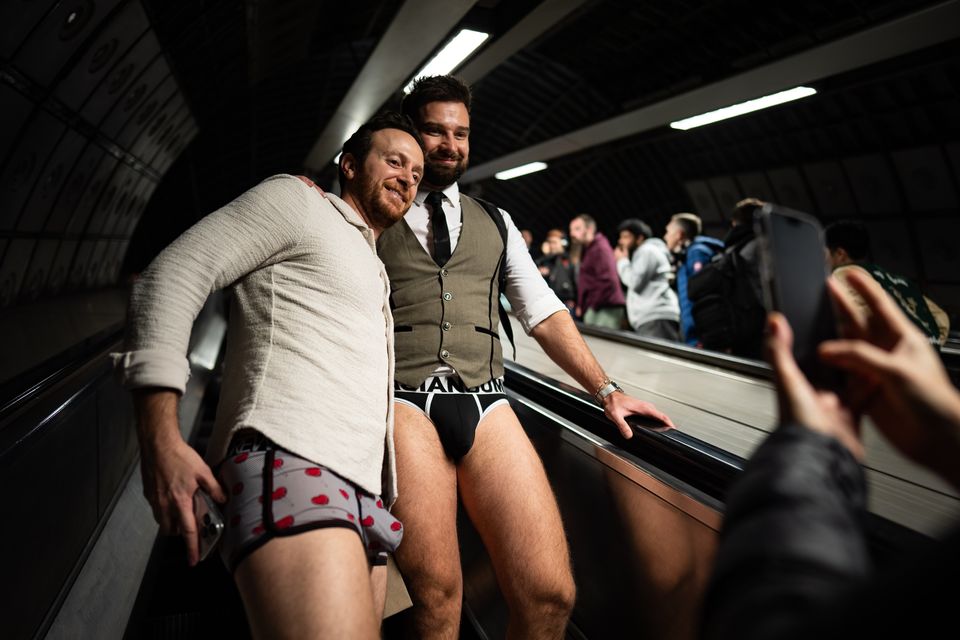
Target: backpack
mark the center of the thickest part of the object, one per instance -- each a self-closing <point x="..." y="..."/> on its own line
<point x="727" y="312"/>
<point x="909" y="298"/>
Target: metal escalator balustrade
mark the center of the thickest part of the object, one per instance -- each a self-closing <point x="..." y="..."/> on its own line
<point x="641" y="517"/>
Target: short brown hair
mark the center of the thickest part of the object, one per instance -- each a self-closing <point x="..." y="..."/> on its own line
<point x="434" y="89"/>
<point x="743" y="212"/>
<point x="689" y="222"/>
<point x="587" y="220"/>
<point x="362" y="139"/>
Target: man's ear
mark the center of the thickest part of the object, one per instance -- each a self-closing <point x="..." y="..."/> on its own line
<point x="348" y="164"/>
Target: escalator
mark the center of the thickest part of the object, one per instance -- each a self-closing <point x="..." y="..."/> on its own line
<point x="641" y="516"/>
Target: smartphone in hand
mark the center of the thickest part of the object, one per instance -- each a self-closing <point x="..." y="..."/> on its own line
<point x="209" y="522"/>
<point x="794" y="272"/>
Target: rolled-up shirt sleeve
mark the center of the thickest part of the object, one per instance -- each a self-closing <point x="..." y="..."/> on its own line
<point x="531" y="298"/>
<point x="248" y="233"/>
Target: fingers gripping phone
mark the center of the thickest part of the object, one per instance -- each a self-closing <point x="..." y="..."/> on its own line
<point x="794" y="272"/>
<point x="209" y="522"/>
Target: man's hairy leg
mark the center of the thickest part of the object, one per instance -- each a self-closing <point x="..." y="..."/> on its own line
<point x="428" y="557"/>
<point x="507" y="496"/>
<point x="310" y="585"/>
<point x="378" y="588"/>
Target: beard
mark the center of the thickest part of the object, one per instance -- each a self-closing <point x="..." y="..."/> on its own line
<point x="382" y="209"/>
<point x="438" y="175"/>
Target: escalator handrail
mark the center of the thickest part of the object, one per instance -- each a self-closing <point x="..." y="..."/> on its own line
<point x="26" y="388"/>
<point x="705" y="467"/>
<point x="726" y="361"/>
<point x="698" y="464"/>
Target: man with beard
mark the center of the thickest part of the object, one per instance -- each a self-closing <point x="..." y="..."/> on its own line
<point x="455" y="430"/>
<point x="303" y="433"/>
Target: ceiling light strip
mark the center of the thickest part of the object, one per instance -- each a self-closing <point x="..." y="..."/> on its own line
<point x="744" y="107"/>
<point x="516" y="172"/>
<point x="451" y="56"/>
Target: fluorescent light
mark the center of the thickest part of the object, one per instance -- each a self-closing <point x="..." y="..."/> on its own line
<point x="522" y="170"/>
<point x="744" y="107"/>
<point x="451" y="56"/>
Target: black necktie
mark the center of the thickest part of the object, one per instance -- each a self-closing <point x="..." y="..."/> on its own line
<point x="438" y="223"/>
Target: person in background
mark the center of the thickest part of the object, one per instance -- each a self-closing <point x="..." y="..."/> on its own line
<point x="527" y="238"/>
<point x="726" y="297"/>
<point x="652" y="307"/>
<point x="555" y="266"/>
<point x="630" y="235"/>
<point x="793" y="560"/>
<point x="693" y="250"/>
<point x="600" y="299"/>
<point x="848" y="251"/>
<point x="303" y="439"/>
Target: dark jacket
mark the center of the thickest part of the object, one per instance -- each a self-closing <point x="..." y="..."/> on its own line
<point x="793" y="560"/>
<point x="561" y="276"/>
<point x="698" y="254"/>
<point x="598" y="285"/>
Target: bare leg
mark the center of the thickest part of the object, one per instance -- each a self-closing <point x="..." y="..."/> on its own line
<point x="427" y="507"/>
<point x="378" y="585"/>
<point x="311" y="585"/>
<point x="507" y="495"/>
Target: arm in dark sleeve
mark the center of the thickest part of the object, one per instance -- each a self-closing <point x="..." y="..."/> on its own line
<point x="792" y="540"/>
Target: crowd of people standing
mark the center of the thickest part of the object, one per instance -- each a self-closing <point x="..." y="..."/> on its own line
<point x="686" y="286"/>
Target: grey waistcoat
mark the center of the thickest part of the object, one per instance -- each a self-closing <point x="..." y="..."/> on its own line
<point x="446" y="315"/>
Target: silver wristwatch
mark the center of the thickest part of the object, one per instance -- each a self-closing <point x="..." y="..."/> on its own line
<point x="608" y="387"/>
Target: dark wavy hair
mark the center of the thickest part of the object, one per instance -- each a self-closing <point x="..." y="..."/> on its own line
<point x="850" y="235"/>
<point x="636" y="226"/>
<point x="434" y="89"/>
<point x="362" y="139"/>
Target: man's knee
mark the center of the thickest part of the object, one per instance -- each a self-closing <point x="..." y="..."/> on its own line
<point x="549" y="600"/>
<point x="437" y="593"/>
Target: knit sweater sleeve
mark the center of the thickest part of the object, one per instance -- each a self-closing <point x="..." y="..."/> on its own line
<point x="252" y="231"/>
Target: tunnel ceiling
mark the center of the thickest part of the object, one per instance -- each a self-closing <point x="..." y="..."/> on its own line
<point x="254" y="84"/>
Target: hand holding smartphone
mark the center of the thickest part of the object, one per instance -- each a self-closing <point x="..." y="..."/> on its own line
<point x="794" y="272"/>
<point x="209" y="522"/>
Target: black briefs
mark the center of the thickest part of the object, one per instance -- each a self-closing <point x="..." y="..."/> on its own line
<point x="454" y="409"/>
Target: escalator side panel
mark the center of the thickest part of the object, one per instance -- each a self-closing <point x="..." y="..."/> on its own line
<point x="48" y="489"/>
<point x="117" y="440"/>
<point x="640" y="561"/>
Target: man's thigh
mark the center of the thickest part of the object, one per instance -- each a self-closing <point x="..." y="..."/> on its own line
<point x="507" y="496"/>
<point x="426" y="502"/>
<point x="310" y="585"/>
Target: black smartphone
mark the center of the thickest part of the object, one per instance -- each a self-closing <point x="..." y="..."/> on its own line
<point x="209" y="522"/>
<point x="794" y="272"/>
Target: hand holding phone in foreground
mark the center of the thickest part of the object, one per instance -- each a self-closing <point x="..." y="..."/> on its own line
<point x="896" y="378"/>
<point x="794" y="276"/>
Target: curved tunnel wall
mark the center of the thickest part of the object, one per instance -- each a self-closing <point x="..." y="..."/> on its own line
<point x="92" y="119"/>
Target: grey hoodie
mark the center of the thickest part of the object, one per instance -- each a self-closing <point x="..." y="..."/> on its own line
<point x="647" y="278"/>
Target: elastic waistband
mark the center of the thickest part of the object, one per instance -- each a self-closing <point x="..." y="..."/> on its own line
<point x="451" y="384"/>
<point x="249" y="441"/>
